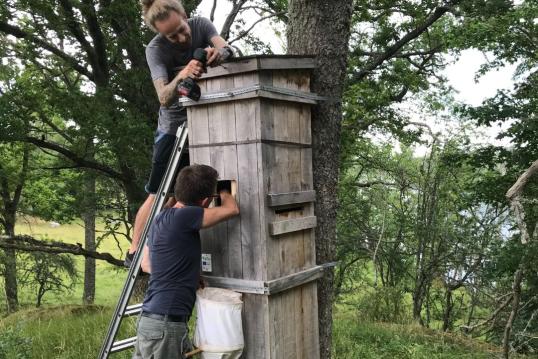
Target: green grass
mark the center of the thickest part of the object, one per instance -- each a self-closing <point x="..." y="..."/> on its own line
<point x="71" y="331"/>
<point x="354" y="338"/>
<point x="67" y="332"/>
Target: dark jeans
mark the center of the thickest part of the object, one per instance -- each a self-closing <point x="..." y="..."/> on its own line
<point x="162" y="151"/>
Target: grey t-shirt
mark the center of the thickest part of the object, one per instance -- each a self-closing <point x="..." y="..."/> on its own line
<point x="165" y="59"/>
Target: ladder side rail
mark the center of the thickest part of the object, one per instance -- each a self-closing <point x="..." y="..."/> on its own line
<point x="137" y="260"/>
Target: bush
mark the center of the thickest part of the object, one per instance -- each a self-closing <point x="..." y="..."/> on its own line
<point x="383" y="304"/>
<point x="14" y="345"/>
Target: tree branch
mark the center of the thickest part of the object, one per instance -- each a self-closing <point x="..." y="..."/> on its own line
<point x="74" y="26"/>
<point x="213" y="8"/>
<point x="81" y="161"/>
<point x="22" y="176"/>
<point x="397" y="46"/>
<point x="30" y="244"/>
<point x="225" y="31"/>
<point x="99" y="49"/>
<point x="373" y="183"/>
<point x="514" y="197"/>
<point x="21" y="34"/>
<point x="245" y="32"/>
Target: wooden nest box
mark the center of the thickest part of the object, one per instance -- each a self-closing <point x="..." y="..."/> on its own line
<point x="252" y="124"/>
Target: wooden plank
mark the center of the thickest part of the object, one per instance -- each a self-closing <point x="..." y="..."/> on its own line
<point x="198" y="125"/>
<point x="305" y="124"/>
<point x="277" y="322"/>
<point x="285" y="97"/>
<point x="221" y="115"/>
<point x="260" y="62"/>
<point x="297" y="80"/>
<point x="251" y="94"/>
<point x="256" y="326"/>
<point x="283" y="199"/>
<point x="292" y="225"/>
<point x="246" y="113"/>
<point x="294" y="280"/>
<point x="236" y="284"/>
<point x="310" y="320"/>
<point x="288" y="329"/>
<point x="279" y="62"/>
<point x="249" y="206"/>
<point x="234" y="254"/>
<point x="246" y="79"/>
<point x="298" y="313"/>
<point x="263" y="229"/>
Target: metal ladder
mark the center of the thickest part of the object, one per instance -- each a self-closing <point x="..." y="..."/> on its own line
<point x="111" y="346"/>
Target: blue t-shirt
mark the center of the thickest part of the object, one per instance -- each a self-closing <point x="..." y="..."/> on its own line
<point x="165" y="59"/>
<point x="175" y="254"/>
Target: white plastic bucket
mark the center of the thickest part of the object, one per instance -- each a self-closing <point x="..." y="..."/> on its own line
<point x="219" y="330"/>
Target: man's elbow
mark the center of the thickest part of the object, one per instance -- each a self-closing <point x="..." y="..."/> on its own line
<point x="164" y="101"/>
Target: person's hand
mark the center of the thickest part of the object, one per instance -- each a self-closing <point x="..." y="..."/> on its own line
<point x="194" y="70"/>
<point x="214" y="57"/>
<point x="201" y="283"/>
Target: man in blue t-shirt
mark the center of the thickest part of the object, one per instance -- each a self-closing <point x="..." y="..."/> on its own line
<point x="170" y="59"/>
<point x="175" y="253"/>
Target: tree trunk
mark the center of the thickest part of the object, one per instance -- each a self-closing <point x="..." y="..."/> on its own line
<point x="447" y="314"/>
<point x="314" y="29"/>
<point x="516" y="288"/>
<point x="88" y="295"/>
<point x="10" y="271"/>
<point x="418" y="299"/>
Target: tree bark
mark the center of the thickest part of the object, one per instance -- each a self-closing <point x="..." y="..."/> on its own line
<point x="88" y="295"/>
<point x="314" y="29"/>
<point x="10" y="273"/>
<point x="516" y="298"/>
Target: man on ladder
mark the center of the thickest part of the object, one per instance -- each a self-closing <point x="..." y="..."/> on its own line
<point x="175" y="252"/>
<point x="171" y="49"/>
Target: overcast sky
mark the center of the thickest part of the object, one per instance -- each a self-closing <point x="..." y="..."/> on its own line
<point x="461" y="74"/>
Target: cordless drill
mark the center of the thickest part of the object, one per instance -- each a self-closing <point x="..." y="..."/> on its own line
<point x="188" y="87"/>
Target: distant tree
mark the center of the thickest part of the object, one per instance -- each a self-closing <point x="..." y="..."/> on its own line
<point x="14" y="159"/>
<point x="46" y="272"/>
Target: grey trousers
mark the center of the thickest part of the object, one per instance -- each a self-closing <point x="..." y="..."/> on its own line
<point x="158" y="339"/>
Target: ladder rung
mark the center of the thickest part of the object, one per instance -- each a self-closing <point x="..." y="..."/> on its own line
<point x="123" y="344"/>
<point x="134" y="309"/>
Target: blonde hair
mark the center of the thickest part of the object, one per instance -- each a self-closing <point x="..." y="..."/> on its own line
<point x="158" y="10"/>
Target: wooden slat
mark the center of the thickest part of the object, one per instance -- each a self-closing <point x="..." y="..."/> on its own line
<point x="288" y="332"/>
<point x="292" y="225"/>
<point x="283" y="199"/>
<point x="252" y="94"/>
<point x="310" y="320"/>
<point x="279" y="62"/>
<point x="234" y="255"/>
<point x="256" y="326"/>
<point x="250" y="236"/>
<point x="294" y="280"/>
<point x="260" y="62"/>
<point x="236" y="284"/>
<point x="276" y="322"/>
<point x="298" y="314"/>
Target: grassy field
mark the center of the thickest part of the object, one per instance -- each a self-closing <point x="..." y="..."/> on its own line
<point x="109" y="278"/>
<point x="63" y="328"/>
<point x="354" y="338"/>
<point x="71" y="331"/>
